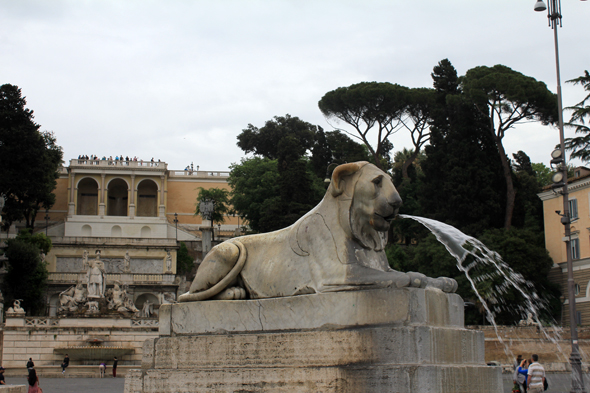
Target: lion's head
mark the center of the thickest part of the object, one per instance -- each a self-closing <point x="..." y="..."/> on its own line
<point x="373" y="201"/>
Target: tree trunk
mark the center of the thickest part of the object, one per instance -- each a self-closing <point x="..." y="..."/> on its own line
<point x="510" y="192"/>
<point x="407" y="164"/>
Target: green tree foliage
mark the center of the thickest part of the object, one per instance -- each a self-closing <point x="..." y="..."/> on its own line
<point x="255" y="189"/>
<point x="221" y="198"/>
<point x="542" y="174"/>
<point x="416" y="119"/>
<point x="300" y="189"/>
<point x="528" y="208"/>
<point x="29" y="160"/>
<point x="368" y="106"/>
<point x="463" y="184"/>
<point x="507" y="97"/>
<point x="266" y="141"/>
<point x="580" y="145"/>
<point x="408" y="231"/>
<point x="26" y="278"/>
<point x="335" y="147"/>
<point x="184" y="262"/>
<point x="286" y="139"/>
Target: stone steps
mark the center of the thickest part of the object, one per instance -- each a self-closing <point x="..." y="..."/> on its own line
<point x="73" y="371"/>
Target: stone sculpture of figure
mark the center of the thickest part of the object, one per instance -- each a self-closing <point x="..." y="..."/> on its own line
<point x="128" y="302"/>
<point x="119" y="300"/>
<point x="127" y="262"/>
<point x="72" y="298"/>
<point x="43" y="256"/>
<point x="66" y="300"/>
<point x="528" y="322"/>
<point x="15" y="309"/>
<point x="96" y="278"/>
<point x="168" y="297"/>
<point x="85" y="260"/>
<point x="80" y="294"/>
<point x="146" y="310"/>
<point x="337" y="246"/>
<point x="116" y="298"/>
<point x="168" y="262"/>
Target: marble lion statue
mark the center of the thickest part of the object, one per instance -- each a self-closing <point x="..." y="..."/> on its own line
<point x="337" y="246"/>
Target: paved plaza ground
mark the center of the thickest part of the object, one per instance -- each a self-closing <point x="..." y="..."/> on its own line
<point x="75" y="385"/>
<point x="559" y="383"/>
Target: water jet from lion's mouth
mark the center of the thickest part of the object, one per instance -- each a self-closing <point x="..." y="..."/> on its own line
<point x="472" y="258"/>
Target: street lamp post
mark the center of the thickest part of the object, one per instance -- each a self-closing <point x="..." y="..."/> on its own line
<point x="2" y="201"/>
<point x="176" y="224"/>
<point x="207" y="208"/>
<point x="46" y="220"/>
<point x="560" y="180"/>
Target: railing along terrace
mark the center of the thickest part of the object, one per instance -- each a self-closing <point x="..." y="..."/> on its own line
<point x="118" y="163"/>
<point x="200" y="173"/>
<point x="72" y="278"/>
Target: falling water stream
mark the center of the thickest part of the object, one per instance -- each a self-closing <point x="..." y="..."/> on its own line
<point x="473" y="259"/>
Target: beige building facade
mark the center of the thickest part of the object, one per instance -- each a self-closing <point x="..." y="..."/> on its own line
<point x="126" y="211"/>
<point x="555" y="241"/>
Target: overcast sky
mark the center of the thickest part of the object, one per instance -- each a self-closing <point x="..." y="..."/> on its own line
<point x="178" y="80"/>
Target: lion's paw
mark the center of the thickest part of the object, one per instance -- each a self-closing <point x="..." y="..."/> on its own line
<point x="445" y="284"/>
<point x="233" y="293"/>
<point x="417" y="280"/>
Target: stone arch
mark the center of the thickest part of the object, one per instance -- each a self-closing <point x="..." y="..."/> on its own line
<point x="147" y="198"/>
<point x="86" y="230"/>
<point x="140" y="301"/>
<point x="116" y="231"/>
<point x="87" y="197"/>
<point x="146" y="231"/>
<point x="117" y="197"/>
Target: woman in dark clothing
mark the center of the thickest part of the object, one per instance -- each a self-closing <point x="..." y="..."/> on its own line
<point x="115" y="361"/>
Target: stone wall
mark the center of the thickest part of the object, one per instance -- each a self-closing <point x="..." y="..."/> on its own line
<point x="552" y="344"/>
<point x="42" y="338"/>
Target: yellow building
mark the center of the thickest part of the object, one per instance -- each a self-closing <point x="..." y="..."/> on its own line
<point x="579" y="206"/>
<point x="124" y="212"/>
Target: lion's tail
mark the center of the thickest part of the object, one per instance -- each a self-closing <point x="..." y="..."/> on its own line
<point x="223" y="283"/>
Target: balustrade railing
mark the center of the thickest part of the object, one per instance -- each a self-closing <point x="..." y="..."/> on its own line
<point x="118" y="163"/>
<point x="53" y="321"/>
<point x="72" y="278"/>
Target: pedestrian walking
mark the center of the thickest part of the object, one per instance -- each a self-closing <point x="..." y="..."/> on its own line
<point x="2" y="380"/>
<point x="33" y="382"/>
<point x="536" y="376"/>
<point x="520" y="377"/>
<point x="115" y="361"/>
<point x="30" y="365"/>
<point x="102" y="368"/>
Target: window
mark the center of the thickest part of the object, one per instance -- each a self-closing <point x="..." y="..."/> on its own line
<point x="573" y="208"/>
<point x="575" y="247"/>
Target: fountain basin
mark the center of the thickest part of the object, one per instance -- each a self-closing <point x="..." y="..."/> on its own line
<point x="92" y="352"/>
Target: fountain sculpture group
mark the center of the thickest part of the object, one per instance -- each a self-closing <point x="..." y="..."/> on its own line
<point x="315" y="307"/>
<point x="95" y="298"/>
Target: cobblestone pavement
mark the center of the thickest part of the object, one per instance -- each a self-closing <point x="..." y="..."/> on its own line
<point x="75" y="385"/>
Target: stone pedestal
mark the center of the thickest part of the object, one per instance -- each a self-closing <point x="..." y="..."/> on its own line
<point x="206" y="239"/>
<point x="387" y="340"/>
